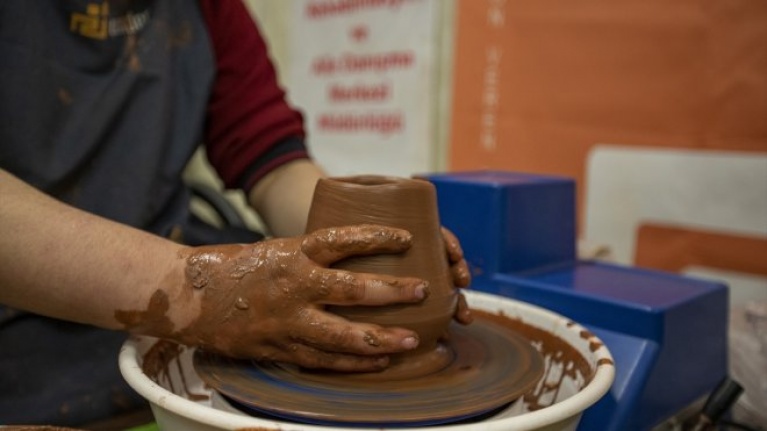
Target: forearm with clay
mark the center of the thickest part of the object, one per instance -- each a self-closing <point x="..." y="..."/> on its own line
<point x="62" y="262"/>
<point x="264" y="300"/>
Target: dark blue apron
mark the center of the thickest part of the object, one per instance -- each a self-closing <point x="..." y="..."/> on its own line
<point x="101" y="105"/>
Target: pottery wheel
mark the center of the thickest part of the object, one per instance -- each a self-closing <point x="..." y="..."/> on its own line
<point x="491" y="367"/>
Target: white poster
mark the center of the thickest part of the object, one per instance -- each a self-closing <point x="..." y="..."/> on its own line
<point x="361" y="71"/>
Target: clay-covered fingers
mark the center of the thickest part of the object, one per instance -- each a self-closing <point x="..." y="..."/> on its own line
<point x="336" y="287"/>
<point x="460" y="273"/>
<point x="459" y="269"/>
<point x="463" y="311"/>
<point x="326" y="246"/>
<point x="332" y="333"/>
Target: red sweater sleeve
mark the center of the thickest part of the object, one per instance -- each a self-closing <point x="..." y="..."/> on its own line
<point x="248" y="117"/>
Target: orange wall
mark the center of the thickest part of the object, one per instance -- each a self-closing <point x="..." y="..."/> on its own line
<point x="538" y="83"/>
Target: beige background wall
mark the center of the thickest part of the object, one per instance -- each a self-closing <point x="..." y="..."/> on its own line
<point x="274" y="18"/>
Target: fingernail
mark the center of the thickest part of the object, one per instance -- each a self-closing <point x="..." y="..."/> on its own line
<point x="410" y="343"/>
<point x="422" y="290"/>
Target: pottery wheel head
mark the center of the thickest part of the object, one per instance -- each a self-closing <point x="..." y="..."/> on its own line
<point x="489" y="367"/>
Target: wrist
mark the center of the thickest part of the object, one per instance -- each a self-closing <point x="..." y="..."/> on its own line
<point x="166" y="304"/>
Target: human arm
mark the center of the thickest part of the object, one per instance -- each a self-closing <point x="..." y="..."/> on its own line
<point x="254" y="138"/>
<point x="283" y="197"/>
<point x="62" y="262"/>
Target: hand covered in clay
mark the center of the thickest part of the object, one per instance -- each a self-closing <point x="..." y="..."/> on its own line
<point x="459" y="269"/>
<point x="266" y="300"/>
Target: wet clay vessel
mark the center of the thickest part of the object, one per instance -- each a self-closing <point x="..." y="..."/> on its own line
<point x="404" y="203"/>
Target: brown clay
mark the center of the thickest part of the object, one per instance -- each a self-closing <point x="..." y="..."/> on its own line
<point x="153" y="318"/>
<point x="156" y="364"/>
<point x="409" y="204"/>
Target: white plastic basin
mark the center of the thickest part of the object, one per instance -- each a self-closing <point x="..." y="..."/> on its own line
<point x="176" y="410"/>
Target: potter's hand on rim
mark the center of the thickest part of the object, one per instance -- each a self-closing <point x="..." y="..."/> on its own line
<point x="459" y="270"/>
<point x="267" y="300"/>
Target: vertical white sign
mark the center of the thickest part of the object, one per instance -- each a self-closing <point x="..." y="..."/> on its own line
<point x="362" y="72"/>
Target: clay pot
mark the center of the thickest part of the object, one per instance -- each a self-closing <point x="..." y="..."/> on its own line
<point x="409" y="204"/>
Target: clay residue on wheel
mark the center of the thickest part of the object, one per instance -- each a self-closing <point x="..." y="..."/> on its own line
<point x="156" y="365"/>
<point x="557" y="353"/>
